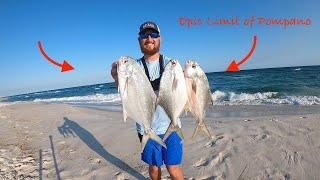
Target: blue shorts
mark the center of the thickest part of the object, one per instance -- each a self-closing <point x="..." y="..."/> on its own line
<point x="155" y="154"/>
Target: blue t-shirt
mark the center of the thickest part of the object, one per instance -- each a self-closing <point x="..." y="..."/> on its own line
<point x="160" y="121"/>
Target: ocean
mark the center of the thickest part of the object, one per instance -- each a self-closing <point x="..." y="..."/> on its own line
<point x="288" y="85"/>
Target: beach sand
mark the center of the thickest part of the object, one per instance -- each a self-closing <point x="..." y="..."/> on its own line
<point x="59" y="141"/>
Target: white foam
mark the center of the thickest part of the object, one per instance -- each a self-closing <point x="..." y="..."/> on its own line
<point x="90" y="99"/>
<point x="218" y="97"/>
<point x="231" y="98"/>
<point x="46" y="92"/>
<point x="297" y="100"/>
<point x="243" y="97"/>
<point x="4" y="104"/>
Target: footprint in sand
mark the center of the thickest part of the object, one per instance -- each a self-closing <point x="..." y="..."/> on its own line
<point x="120" y="176"/>
<point x="220" y="158"/>
<point x="291" y="158"/>
<point x="201" y="162"/>
<point x="274" y="119"/>
<point x="210" y="144"/>
<point x="213" y="141"/>
<point x="213" y="161"/>
<point x="258" y="137"/>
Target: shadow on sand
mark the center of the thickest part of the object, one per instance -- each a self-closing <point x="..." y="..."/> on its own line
<point x="70" y="127"/>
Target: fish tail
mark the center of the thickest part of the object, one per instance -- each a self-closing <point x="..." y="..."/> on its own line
<point x="179" y="131"/>
<point x="156" y="138"/>
<point x="153" y="136"/>
<point x="201" y="127"/>
<point x="186" y="108"/>
<point x="144" y="141"/>
<point x="172" y="128"/>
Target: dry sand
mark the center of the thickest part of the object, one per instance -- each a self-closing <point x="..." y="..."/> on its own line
<point x="58" y="141"/>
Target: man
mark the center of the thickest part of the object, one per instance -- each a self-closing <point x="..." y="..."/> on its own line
<point x="153" y="63"/>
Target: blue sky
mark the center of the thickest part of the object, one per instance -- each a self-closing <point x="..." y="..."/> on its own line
<point x="93" y="34"/>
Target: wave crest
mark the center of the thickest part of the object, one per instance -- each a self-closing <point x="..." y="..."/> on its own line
<point x="218" y="97"/>
<point x="231" y="98"/>
<point x="89" y="99"/>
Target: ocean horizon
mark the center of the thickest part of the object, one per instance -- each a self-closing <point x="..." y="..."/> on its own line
<point x="297" y="85"/>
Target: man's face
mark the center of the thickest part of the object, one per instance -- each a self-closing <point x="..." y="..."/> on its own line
<point x="150" y="45"/>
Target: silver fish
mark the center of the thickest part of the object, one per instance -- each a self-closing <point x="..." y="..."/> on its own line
<point x="199" y="95"/>
<point x="173" y="95"/>
<point x="138" y="97"/>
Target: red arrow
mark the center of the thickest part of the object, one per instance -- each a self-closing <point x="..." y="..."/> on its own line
<point x="234" y="67"/>
<point x="65" y="66"/>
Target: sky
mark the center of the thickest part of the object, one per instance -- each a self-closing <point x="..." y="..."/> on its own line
<point x="91" y="35"/>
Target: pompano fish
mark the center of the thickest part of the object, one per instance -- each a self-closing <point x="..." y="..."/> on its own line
<point x="173" y="95"/>
<point x="199" y="94"/>
<point x="138" y="97"/>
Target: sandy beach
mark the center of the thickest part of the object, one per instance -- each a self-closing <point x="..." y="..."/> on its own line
<point x="59" y="141"/>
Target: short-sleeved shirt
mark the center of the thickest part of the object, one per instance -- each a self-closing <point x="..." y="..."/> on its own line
<point x="160" y="121"/>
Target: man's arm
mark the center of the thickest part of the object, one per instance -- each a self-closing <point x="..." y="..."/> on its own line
<point x="114" y="72"/>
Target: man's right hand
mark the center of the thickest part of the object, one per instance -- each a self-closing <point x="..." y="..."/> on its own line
<point x="114" y="72"/>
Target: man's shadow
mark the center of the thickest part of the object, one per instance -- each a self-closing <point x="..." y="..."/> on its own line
<point x="70" y="127"/>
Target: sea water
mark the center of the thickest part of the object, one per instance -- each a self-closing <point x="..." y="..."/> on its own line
<point x="289" y="85"/>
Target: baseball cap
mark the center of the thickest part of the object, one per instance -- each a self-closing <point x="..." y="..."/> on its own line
<point x="149" y="25"/>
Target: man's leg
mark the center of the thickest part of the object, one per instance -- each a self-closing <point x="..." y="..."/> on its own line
<point x="152" y="155"/>
<point x="175" y="172"/>
<point x="154" y="172"/>
<point x="172" y="156"/>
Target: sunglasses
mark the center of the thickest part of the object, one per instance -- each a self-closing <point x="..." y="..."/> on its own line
<point x="152" y="35"/>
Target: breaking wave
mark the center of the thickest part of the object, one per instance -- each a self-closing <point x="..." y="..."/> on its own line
<point x="231" y="98"/>
<point x="89" y="99"/>
<point x="219" y="98"/>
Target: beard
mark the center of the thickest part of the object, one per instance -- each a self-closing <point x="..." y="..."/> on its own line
<point x="152" y="51"/>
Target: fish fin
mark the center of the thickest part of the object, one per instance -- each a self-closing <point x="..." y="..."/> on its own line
<point x="174" y="83"/>
<point x="195" y="132"/>
<point x="206" y="130"/>
<point x="172" y="128"/>
<point x="144" y="141"/>
<point x="168" y="132"/>
<point x="125" y="115"/>
<point x="210" y="97"/>
<point x="126" y="86"/>
<point x="194" y="86"/>
<point x="203" y="128"/>
<point x="179" y="131"/>
<point x="156" y="138"/>
<point x="186" y="108"/>
<point x="151" y="135"/>
<point x="124" y="91"/>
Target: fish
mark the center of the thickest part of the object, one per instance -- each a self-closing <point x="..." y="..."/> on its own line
<point x="137" y="96"/>
<point x="199" y="95"/>
<point x="173" y="95"/>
